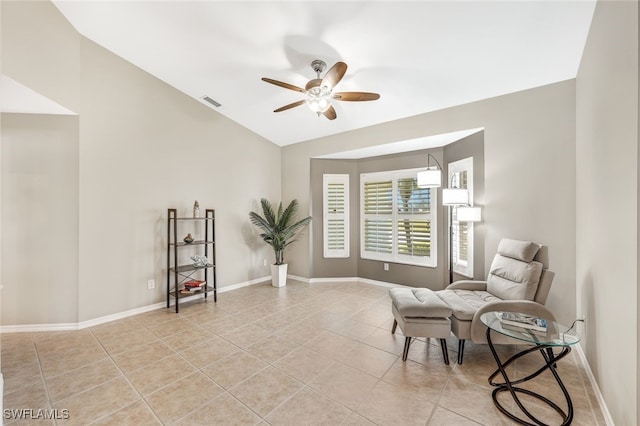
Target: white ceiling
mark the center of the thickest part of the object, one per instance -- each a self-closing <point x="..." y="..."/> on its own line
<point x="420" y="56"/>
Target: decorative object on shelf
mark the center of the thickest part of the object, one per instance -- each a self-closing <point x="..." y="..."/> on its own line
<point x="199" y="261"/>
<point x="279" y="229"/>
<point x="194" y="284"/>
<point x="188" y="239"/>
<point x="196" y="210"/>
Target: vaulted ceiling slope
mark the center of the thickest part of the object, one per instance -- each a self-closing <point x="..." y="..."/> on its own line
<point x="420" y="56"/>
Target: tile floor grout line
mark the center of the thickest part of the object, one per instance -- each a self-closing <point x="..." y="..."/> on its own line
<point x="321" y="318"/>
<point x="126" y="379"/>
<point x="44" y="381"/>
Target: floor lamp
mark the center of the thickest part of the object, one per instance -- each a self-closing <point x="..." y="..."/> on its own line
<point x="453" y="197"/>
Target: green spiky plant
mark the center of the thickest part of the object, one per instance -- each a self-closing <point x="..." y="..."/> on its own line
<point x="278" y="228"/>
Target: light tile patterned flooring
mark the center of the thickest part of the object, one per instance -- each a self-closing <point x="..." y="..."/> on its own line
<point x="299" y="355"/>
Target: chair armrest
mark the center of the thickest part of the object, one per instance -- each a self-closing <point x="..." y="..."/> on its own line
<point x="479" y="330"/>
<point x="467" y="285"/>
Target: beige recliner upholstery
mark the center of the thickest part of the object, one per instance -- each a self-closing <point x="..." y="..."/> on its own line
<point x="518" y="281"/>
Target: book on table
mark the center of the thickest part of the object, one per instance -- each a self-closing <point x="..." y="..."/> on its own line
<point x="530" y="322"/>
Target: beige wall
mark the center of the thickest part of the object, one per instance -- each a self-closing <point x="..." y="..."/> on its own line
<point x="39" y="218"/>
<point x="529" y="143"/>
<point x="435" y="278"/>
<point x="143" y="147"/>
<point x="471" y="146"/>
<point x="334" y="267"/>
<point x="607" y="204"/>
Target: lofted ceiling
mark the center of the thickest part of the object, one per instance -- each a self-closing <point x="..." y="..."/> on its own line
<point x="420" y="56"/>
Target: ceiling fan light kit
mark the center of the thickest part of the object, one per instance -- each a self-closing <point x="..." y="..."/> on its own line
<point x="319" y="91"/>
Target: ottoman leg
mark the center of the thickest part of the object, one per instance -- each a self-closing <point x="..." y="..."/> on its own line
<point x="407" y="343"/>
<point x="445" y="352"/>
<point x="460" y="350"/>
<point x="393" y="328"/>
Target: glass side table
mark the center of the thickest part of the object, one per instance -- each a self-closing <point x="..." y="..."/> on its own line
<point x="556" y="336"/>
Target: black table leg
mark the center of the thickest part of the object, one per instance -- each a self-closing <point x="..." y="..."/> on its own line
<point x="550" y="363"/>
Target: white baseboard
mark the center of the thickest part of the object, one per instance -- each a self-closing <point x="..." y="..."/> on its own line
<point x="332" y="280"/>
<point x="380" y="283"/>
<point x="349" y="280"/>
<point x="26" y="328"/>
<point x="298" y="278"/>
<point x="592" y="380"/>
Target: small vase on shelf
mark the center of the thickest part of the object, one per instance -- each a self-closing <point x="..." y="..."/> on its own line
<point x="196" y="210"/>
<point x="188" y="239"/>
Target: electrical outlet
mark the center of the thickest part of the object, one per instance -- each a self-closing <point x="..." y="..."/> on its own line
<point x="264" y="262"/>
<point x="385" y="266"/>
<point x="151" y="284"/>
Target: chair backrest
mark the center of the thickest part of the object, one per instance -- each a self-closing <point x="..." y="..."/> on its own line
<point x="546" y="278"/>
<point x="519" y="271"/>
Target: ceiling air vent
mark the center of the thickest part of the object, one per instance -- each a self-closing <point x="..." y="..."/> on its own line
<point x="212" y="102"/>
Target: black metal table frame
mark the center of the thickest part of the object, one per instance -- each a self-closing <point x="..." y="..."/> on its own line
<point x="511" y="386"/>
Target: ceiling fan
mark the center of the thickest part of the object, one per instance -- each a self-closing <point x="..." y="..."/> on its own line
<point x="319" y="91"/>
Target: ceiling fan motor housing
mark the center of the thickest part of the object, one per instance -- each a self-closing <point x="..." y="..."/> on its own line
<point x="318" y="66"/>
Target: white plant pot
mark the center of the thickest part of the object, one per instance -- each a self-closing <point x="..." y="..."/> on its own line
<point x="279" y="275"/>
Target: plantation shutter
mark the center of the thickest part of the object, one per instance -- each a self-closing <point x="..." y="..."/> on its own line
<point x="414" y="225"/>
<point x="378" y="219"/>
<point x="397" y="218"/>
<point x="335" y="215"/>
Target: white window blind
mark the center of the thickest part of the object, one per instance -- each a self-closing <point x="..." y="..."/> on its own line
<point x="335" y="215"/>
<point x="414" y="226"/>
<point x="396" y="218"/>
<point x="461" y="174"/>
<point x="378" y="220"/>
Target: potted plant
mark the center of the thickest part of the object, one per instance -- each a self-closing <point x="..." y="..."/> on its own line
<point x="278" y="230"/>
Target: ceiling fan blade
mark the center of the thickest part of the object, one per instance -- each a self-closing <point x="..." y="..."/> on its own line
<point x="355" y="96"/>
<point x="282" y="84"/>
<point x="334" y="75"/>
<point x="292" y="105"/>
<point x="330" y="113"/>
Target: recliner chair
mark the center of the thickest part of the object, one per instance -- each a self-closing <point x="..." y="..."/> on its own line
<point x="518" y="281"/>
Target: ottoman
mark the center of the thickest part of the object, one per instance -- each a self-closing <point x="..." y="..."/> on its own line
<point x="420" y="313"/>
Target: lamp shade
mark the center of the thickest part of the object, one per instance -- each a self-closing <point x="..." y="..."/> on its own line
<point x="429" y="178"/>
<point x="468" y="214"/>
<point x="455" y="197"/>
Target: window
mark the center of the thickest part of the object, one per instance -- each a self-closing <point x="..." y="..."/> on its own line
<point x="461" y="176"/>
<point x="335" y="215"/>
<point x="397" y="218"/>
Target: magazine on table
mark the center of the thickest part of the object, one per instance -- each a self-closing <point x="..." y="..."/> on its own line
<point x="525" y="321"/>
<point x="524" y="330"/>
